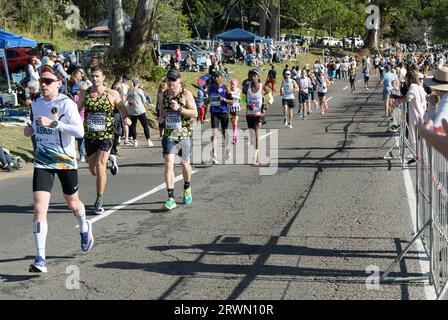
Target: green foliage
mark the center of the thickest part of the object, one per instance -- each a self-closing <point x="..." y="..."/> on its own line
<point x="157" y="74"/>
<point x="171" y="22"/>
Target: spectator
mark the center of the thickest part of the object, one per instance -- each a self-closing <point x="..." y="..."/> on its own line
<point x="272" y="74"/>
<point x="6" y="162"/>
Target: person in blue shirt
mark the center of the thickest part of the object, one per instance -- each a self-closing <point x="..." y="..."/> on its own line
<point x="390" y="81"/>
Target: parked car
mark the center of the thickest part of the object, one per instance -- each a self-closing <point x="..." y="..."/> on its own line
<point x="18" y="58"/>
<point x="359" y="43"/>
<point x="295" y="38"/>
<point x="169" y="48"/>
<point x="329" y="42"/>
<point x="99" y="50"/>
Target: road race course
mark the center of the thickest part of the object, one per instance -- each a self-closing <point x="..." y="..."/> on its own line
<point x="334" y="210"/>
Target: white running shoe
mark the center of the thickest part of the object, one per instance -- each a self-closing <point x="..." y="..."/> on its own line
<point x="113" y="164"/>
<point x="215" y="159"/>
<point x="135" y="143"/>
<point x="150" y="143"/>
<point x="228" y="154"/>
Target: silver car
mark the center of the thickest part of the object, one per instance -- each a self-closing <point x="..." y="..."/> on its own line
<point x="169" y="48"/>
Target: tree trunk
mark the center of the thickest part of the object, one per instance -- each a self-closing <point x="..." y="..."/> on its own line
<point x="262" y="21"/>
<point x="139" y="41"/>
<point x="274" y="21"/>
<point x="372" y="39"/>
<point x="116" y="25"/>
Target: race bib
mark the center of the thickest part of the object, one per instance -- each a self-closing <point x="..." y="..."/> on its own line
<point x="215" y="101"/>
<point x="45" y="135"/>
<point x="173" y="120"/>
<point x="96" y="121"/>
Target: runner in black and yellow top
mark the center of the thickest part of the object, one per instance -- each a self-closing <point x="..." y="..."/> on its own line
<point x="177" y="111"/>
<point x="99" y="103"/>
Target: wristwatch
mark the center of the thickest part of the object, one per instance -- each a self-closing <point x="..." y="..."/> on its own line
<point x="54" y="124"/>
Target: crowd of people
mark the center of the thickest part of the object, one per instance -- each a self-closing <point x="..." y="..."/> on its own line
<point x="76" y="104"/>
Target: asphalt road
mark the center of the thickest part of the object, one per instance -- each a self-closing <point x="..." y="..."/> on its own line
<point x="329" y="212"/>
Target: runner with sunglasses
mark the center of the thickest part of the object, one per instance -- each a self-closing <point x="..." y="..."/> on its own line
<point x="100" y="103"/>
<point x="177" y="111"/>
<point x="55" y="125"/>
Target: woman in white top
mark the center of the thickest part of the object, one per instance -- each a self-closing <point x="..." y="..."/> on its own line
<point x="235" y="108"/>
<point x="33" y="67"/>
<point x="322" y="89"/>
<point x="416" y="97"/>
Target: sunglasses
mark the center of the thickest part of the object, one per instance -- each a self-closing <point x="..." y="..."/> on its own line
<point x="47" y="81"/>
<point x="171" y="79"/>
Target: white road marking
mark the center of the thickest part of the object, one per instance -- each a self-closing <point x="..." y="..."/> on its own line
<point x="345" y="88"/>
<point x="329" y="99"/>
<point x="138" y="198"/>
<point x="423" y="259"/>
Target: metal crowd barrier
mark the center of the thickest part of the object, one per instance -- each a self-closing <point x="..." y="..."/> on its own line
<point x="399" y="139"/>
<point x="431" y="219"/>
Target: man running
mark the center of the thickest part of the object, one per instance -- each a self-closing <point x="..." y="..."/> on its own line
<point x="55" y="126"/>
<point x="256" y="107"/>
<point x="287" y="90"/>
<point x="178" y="108"/>
<point x="99" y="103"/>
<point x="220" y="99"/>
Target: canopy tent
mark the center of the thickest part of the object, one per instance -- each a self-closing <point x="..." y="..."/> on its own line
<point x="10" y="40"/>
<point x="240" y="35"/>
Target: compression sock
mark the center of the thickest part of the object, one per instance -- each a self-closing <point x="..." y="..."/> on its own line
<point x="40" y="230"/>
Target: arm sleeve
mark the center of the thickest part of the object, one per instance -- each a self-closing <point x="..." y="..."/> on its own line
<point x="71" y="124"/>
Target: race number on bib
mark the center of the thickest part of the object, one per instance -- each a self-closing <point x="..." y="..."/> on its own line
<point x="173" y="120"/>
<point x="96" y="122"/>
<point x="45" y="135"/>
<point x="215" y="101"/>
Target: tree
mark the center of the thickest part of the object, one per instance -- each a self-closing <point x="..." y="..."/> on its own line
<point x="116" y="26"/>
<point x="138" y="42"/>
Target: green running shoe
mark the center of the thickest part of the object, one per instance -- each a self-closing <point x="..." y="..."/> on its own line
<point x="170" y="204"/>
<point x="187" y="196"/>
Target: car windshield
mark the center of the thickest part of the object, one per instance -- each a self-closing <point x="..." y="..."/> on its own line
<point x="195" y="47"/>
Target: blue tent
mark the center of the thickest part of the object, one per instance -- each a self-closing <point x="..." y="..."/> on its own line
<point x="11" y="40"/>
<point x="240" y="35"/>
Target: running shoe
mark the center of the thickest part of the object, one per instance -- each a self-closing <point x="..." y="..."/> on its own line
<point x="135" y="143"/>
<point x="98" y="209"/>
<point x="150" y="143"/>
<point x="215" y="159"/>
<point x="170" y="204"/>
<point x="228" y="154"/>
<point x="87" y="238"/>
<point x="290" y="126"/>
<point x="113" y="165"/>
<point x="285" y="122"/>
<point x="255" y="161"/>
<point x="235" y="139"/>
<point x="39" y="265"/>
<point x="187" y="196"/>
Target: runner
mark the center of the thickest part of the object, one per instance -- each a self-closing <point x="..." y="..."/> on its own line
<point x="235" y="108"/>
<point x="256" y="108"/>
<point x="178" y="108"/>
<point x="389" y="80"/>
<point x="304" y="85"/>
<point x="322" y="89"/>
<point x="366" y="72"/>
<point x="220" y="98"/>
<point x="287" y="90"/>
<point x="99" y="103"/>
<point x="56" y="123"/>
<point x="352" y="77"/>
<point x="312" y="89"/>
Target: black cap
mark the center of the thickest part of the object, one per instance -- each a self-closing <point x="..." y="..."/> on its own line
<point x="173" y="74"/>
<point x="47" y="68"/>
<point x="216" y="73"/>
<point x="254" y="71"/>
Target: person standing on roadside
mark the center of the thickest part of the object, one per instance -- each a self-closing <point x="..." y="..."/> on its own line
<point x="56" y="123"/>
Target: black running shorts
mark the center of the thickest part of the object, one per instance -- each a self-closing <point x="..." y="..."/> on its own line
<point x="43" y="180"/>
